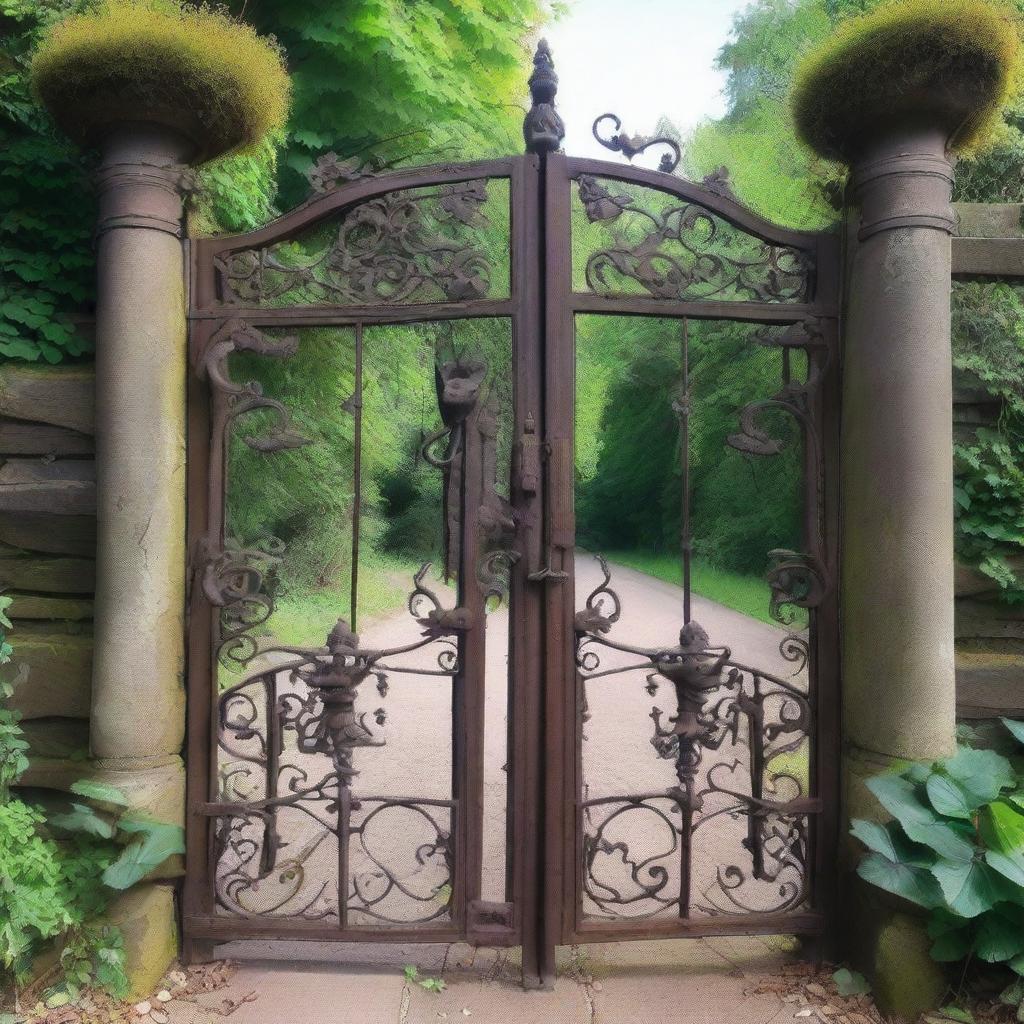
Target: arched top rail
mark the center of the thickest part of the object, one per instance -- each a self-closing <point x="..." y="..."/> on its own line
<point x="395" y="229"/>
<point x="718" y="202"/>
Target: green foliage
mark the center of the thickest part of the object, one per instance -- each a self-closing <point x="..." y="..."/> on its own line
<point x="412" y="974"/>
<point x="786" y="182"/>
<point x="628" y="458"/>
<point x="955" y="846"/>
<point x="61" y="857"/>
<point x="965" y="64"/>
<point x="406" y="82"/>
<point x="46" y="215"/>
<point x="207" y="74"/>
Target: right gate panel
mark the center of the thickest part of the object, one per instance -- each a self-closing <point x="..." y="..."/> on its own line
<point x="700" y="707"/>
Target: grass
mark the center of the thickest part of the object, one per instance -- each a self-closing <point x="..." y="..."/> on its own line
<point x="747" y="594"/>
<point x="304" y="617"/>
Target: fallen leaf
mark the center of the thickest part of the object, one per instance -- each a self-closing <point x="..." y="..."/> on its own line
<point x="143" y="1008"/>
<point x="159" y="1016"/>
<point x="803" y="1013"/>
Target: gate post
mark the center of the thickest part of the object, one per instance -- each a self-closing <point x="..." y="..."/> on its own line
<point x="863" y="100"/>
<point x="212" y="86"/>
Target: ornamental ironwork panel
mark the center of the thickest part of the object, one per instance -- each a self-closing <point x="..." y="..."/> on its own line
<point x="448" y="242"/>
<point x="630" y="240"/>
<point x="441" y="715"/>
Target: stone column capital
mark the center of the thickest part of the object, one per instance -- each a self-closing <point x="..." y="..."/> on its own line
<point x="904" y="180"/>
<point x="142" y="178"/>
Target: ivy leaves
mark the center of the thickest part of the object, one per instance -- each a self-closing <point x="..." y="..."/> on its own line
<point x="955" y="846"/>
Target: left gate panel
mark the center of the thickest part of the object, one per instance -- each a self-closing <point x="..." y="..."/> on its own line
<point x="353" y="548"/>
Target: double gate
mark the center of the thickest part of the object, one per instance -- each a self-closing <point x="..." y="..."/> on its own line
<point x="509" y="753"/>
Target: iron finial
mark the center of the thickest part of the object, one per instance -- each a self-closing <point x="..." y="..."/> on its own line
<point x="543" y="129"/>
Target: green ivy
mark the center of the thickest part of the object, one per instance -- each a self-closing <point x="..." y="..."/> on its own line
<point x="46" y="266"/>
<point x="62" y="858"/>
<point x="955" y="847"/>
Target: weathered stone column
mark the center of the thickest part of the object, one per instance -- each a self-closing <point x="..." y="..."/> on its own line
<point x="137" y="695"/>
<point x="899" y="686"/>
<point x="896" y="453"/>
<point x="892" y="95"/>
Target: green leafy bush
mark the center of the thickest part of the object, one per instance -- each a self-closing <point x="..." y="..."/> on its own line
<point x="62" y="858"/>
<point x="956" y="848"/>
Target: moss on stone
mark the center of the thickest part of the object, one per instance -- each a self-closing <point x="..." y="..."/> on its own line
<point x="200" y="71"/>
<point x="952" y="61"/>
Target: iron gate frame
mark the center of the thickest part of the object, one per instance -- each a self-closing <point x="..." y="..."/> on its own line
<point x="543" y="830"/>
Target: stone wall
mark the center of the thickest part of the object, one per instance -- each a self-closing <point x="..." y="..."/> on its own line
<point x="989" y="633"/>
<point x="47" y="554"/>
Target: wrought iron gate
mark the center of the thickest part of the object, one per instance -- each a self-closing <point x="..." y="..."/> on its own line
<point x="292" y="829"/>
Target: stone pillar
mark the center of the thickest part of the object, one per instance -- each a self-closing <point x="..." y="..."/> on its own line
<point x="899" y="695"/>
<point x="138" y="695"/>
<point x="137" y="718"/>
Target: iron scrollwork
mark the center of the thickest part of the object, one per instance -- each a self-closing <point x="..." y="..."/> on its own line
<point x="797" y="579"/>
<point x="404" y="246"/>
<point x="687" y="252"/>
<point x="321" y="709"/>
<point x="719" y="701"/>
<point x="631" y="146"/>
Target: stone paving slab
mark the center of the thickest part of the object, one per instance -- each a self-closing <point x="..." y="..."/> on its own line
<point x="685" y="981"/>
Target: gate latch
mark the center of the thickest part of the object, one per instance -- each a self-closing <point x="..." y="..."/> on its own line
<point x="529" y="457"/>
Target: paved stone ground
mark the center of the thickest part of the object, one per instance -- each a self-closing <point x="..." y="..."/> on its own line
<point x="686" y="981"/>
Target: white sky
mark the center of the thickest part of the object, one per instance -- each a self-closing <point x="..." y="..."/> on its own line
<point x="640" y="59"/>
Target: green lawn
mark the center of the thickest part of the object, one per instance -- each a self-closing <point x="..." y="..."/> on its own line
<point x="747" y="594"/>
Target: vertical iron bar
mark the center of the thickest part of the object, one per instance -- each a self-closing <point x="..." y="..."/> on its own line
<point x="357" y="475"/>
<point x="686" y="542"/>
<point x="344" y="831"/>
<point x="685" y="853"/>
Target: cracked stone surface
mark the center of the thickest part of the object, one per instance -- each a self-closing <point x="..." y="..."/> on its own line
<point x="685" y="981"/>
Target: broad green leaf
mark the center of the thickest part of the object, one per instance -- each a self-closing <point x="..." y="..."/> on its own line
<point x="1001" y="828"/>
<point x="914" y="884"/>
<point x="955" y="1013"/>
<point x="982" y="774"/>
<point x="101" y="791"/>
<point x="1013" y="993"/>
<point x="851" y="983"/>
<point x="1010" y="867"/>
<point x="1000" y="937"/>
<point x="969" y="887"/>
<point x="919" y="821"/>
<point x="890" y="841"/>
<point x="82" y="818"/>
<point x="1017" y="964"/>
<point x="948" y="798"/>
<point x="154" y="843"/>
<point x="952" y="945"/>
<point x="1017" y="728"/>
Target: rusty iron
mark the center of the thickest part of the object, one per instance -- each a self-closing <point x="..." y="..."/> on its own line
<point x="407" y="246"/>
<point x="631" y="146"/>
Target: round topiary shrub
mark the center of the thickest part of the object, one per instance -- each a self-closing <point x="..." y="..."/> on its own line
<point x="954" y="61"/>
<point x="196" y="70"/>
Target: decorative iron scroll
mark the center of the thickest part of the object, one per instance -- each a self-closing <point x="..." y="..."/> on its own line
<point x="720" y="703"/>
<point x="685" y="251"/>
<point x="416" y="245"/>
<point x="797" y="579"/>
<point x="320" y="709"/>
<point x="633" y="145"/>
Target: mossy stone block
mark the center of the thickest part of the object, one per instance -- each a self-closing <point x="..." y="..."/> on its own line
<point x="145" y="916"/>
<point x="906" y="980"/>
